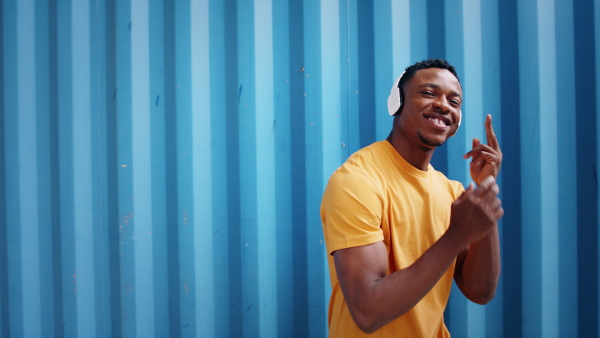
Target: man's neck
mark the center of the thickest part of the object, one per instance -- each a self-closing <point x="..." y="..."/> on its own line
<point x="418" y="157"/>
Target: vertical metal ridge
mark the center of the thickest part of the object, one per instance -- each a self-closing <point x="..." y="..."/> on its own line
<point x="176" y="284"/>
<point x="206" y="226"/>
<point x="586" y="78"/>
<point x="13" y="306"/>
<point x="84" y="217"/>
<point x="27" y="175"/>
<point x="265" y="124"/>
<point x="298" y="63"/>
<point x="4" y="304"/>
<point x="511" y="187"/>
<point x="566" y="153"/>
<point x="316" y="68"/>
<point x="246" y="129"/>
<point x="530" y="171"/>
<point x="142" y="153"/>
<point x="123" y="26"/>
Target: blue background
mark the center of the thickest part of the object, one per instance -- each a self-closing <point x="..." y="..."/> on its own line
<point x="163" y="161"/>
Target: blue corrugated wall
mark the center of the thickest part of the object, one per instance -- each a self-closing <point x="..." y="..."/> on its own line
<point x="163" y="161"/>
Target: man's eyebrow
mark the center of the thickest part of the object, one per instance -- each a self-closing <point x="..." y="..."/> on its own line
<point x="433" y="85"/>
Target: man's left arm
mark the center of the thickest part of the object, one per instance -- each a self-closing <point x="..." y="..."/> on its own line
<point x="478" y="268"/>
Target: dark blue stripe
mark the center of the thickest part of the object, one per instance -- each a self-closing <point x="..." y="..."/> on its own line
<point x="436" y="29"/>
<point x="587" y="171"/>
<point x="109" y="173"/>
<point x="14" y="326"/>
<point x="511" y="168"/>
<point x="171" y="170"/>
<point x="55" y="200"/>
<point x="282" y="129"/>
<point x="232" y="93"/>
<point x="4" y="323"/>
<point x="436" y="49"/>
<point x="366" y="72"/>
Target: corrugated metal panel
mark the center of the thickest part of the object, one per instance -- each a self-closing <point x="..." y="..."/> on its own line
<point x="163" y="162"/>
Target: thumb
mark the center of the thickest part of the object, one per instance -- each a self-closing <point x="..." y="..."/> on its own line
<point x="470" y="189"/>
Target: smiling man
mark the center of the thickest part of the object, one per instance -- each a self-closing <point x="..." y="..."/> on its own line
<point x="397" y="231"/>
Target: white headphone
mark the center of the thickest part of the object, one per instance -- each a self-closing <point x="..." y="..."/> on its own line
<point x="395" y="101"/>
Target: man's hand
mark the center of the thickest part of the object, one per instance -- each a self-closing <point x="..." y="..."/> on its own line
<point x="485" y="159"/>
<point x="476" y="212"/>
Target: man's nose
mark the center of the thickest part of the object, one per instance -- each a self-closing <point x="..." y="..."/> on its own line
<point x="442" y="104"/>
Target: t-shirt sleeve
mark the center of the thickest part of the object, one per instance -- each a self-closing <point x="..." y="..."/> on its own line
<point x="456" y="189"/>
<point x="351" y="211"/>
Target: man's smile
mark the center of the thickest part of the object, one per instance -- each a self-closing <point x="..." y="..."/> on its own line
<point x="439" y="121"/>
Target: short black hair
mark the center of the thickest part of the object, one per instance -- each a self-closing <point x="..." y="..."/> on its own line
<point x="410" y="71"/>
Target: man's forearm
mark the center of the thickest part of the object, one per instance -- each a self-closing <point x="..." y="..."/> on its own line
<point x="477" y="275"/>
<point x="374" y="302"/>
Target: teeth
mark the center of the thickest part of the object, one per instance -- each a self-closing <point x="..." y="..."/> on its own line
<point x="437" y="121"/>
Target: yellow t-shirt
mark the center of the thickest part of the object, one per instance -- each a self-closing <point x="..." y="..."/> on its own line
<point x="377" y="196"/>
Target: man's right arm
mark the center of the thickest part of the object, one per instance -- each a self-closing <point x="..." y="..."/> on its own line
<point x="375" y="299"/>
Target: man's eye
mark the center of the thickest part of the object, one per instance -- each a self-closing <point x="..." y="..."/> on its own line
<point x="428" y="93"/>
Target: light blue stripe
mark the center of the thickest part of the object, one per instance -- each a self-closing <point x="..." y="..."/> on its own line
<point x="265" y="167"/>
<point x="28" y="192"/>
<point x="473" y="99"/>
<point x="331" y="135"/>
<point x="401" y="39"/>
<point x="330" y="84"/>
<point x="83" y="219"/>
<point x="566" y="151"/>
<point x="202" y="163"/>
<point x="549" y="164"/>
<point x="456" y="50"/>
<point x="141" y="160"/>
<point x="350" y="82"/>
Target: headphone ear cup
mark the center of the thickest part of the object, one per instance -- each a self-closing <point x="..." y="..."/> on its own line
<point x="395" y="98"/>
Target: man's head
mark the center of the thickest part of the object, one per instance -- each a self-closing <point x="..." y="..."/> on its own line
<point x="397" y="94"/>
<point x="429" y="112"/>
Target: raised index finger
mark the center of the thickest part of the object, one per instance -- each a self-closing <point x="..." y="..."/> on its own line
<point x="489" y="133"/>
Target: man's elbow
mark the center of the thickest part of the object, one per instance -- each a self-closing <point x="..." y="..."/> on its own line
<point x="482" y="296"/>
<point x="366" y="321"/>
<point x="367" y="325"/>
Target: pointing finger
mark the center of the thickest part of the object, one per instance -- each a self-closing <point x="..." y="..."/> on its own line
<point x="489" y="132"/>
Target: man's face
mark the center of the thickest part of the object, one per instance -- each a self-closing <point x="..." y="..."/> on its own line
<point x="431" y="107"/>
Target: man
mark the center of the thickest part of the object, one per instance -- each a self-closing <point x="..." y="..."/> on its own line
<point x="397" y="231"/>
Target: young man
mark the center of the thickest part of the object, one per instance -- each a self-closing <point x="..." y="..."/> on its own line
<point x="397" y="231"/>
